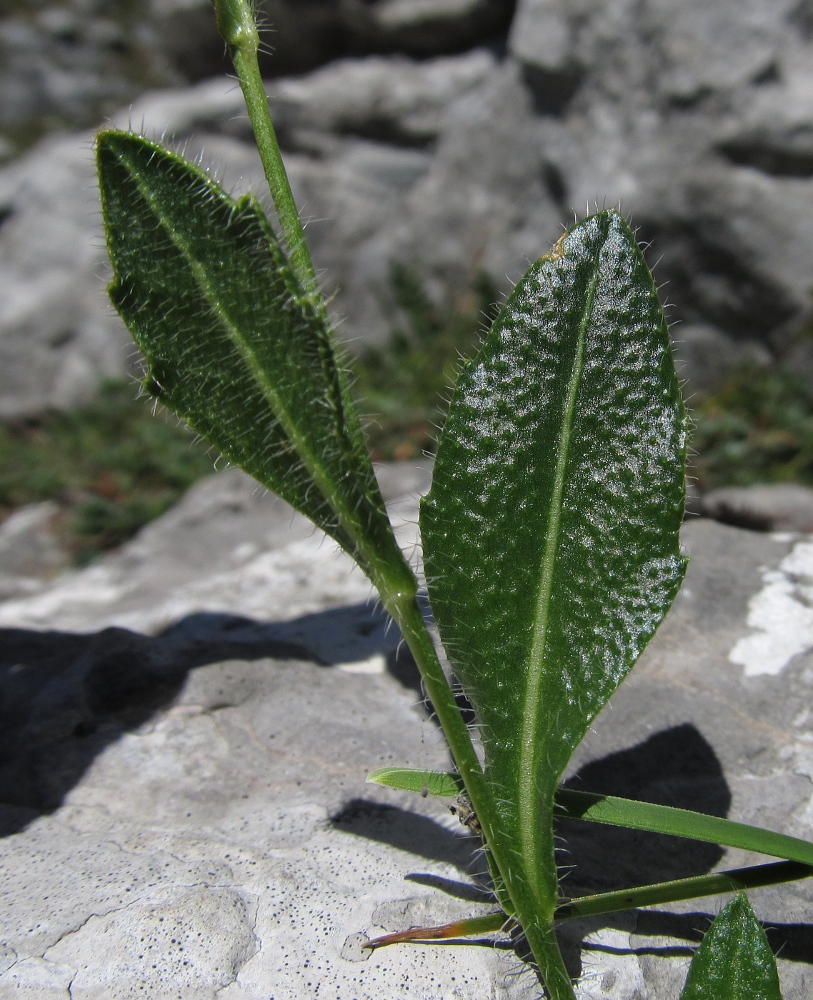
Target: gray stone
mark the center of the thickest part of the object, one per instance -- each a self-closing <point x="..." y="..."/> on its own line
<point x="430" y="27"/>
<point x="475" y="201"/>
<point x="58" y="338"/>
<point x="301" y="35"/>
<point x="705" y="357"/>
<point x="58" y="334"/>
<point x="270" y="859"/>
<point x="69" y="64"/>
<point x="697" y="119"/>
<point x="30" y="549"/>
<point x="393" y="99"/>
<point x="182" y="770"/>
<point x="780" y="507"/>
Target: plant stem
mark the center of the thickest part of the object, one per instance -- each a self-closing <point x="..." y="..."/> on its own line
<point x="548" y="958"/>
<point x="397" y="585"/>
<point x="235" y="20"/>
<point x="541" y="937"/>
<point x="237" y="26"/>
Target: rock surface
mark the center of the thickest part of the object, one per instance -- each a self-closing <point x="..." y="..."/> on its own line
<point x="68" y="63"/>
<point x="30" y="551"/>
<point x="187" y="725"/>
<point x="781" y="507"/>
<point x="310" y="33"/>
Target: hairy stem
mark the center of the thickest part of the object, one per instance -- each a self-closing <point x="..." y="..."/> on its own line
<point x="235" y="20"/>
<point x="549" y="961"/>
<point x="396" y="584"/>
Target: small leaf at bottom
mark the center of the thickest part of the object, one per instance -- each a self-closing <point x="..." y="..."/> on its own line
<point x="734" y="961"/>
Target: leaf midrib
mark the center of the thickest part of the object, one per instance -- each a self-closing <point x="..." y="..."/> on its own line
<point x="309" y="460"/>
<point x="531" y="824"/>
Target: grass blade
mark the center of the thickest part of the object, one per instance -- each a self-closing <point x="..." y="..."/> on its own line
<point x="615" y="811"/>
<point x="410" y="779"/>
<point x="695" y="887"/>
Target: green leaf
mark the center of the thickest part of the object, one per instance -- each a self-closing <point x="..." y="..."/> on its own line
<point x="410" y="779"/>
<point x="550" y="533"/>
<point x="233" y="344"/>
<point x="734" y="961"/>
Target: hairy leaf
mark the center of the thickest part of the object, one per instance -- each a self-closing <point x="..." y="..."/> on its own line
<point x="551" y="530"/>
<point x="409" y="779"/>
<point x="233" y="344"/>
<point x="734" y="961"/>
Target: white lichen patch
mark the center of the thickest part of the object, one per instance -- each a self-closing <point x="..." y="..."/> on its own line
<point x="781" y="615"/>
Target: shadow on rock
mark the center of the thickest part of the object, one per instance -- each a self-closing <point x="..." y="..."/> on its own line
<point x="407" y="831"/>
<point x="794" y="942"/>
<point x="676" y="767"/>
<point x="64" y="697"/>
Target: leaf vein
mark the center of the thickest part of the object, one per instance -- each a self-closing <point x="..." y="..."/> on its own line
<point x="530" y="823"/>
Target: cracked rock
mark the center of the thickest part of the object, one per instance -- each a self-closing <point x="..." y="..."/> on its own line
<point x="183" y="805"/>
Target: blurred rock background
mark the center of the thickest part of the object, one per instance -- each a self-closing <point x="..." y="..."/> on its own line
<point x="436" y="146"/>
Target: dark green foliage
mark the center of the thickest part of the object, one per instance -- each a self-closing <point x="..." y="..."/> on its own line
<point x="111" y="465"/>
<point x="234" y="346"/>
<point x="404" y="384"/>
<point x="758" y="428"/>
<point x="551" y="530"/>
<point x="735" y="961"/>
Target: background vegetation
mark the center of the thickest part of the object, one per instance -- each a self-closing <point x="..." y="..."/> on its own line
<point x="113" y="466"/>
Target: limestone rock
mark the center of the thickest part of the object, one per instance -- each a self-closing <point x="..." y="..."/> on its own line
<point x="68" y="64"/>
<point x="58" y="334"/>
<point x="305" y="34"/>
<point x="30" y="550"/>
<point x="779" y="507"/>
<point x="389" y="99"/>
<point x="697" y="119"/>
<point x="247" y="854"/>
<point x="473" y="201"/>
<point x="182" y="770"/>
<point x="58" y="338"/>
